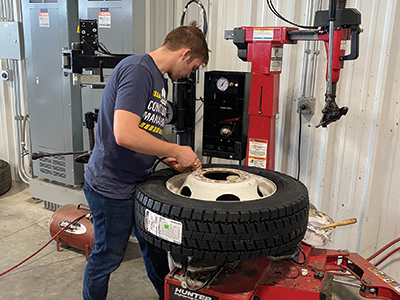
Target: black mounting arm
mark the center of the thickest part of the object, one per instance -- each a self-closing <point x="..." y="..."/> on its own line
<point x="83" y="56"/>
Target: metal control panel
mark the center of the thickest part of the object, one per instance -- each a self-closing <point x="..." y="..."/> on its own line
<point x="55" y="106"/>
<point x="225" y="122"/>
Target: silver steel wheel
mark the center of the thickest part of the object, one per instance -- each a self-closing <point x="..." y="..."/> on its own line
<point x="221" y="184"/>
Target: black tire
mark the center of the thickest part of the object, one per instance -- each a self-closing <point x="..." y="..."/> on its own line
<point x="5" y="177"/>
<point x="226" y="230"/>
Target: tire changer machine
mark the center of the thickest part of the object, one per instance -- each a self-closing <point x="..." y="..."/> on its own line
<point x="250" y="134"/>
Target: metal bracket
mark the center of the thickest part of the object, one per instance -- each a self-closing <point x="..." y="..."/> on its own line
<point x="306" y="105"/>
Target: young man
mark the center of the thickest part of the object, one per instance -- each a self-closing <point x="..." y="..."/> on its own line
<point x="130" y="123"/>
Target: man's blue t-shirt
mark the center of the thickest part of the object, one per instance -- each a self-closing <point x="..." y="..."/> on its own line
<point x="138" y="86"/>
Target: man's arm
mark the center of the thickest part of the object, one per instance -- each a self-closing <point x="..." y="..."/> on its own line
<point x="128" y="134"/>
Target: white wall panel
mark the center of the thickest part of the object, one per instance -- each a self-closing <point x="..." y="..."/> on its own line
<point x="352" y="167"/>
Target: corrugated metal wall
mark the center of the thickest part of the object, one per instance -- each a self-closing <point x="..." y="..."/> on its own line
<point x="351" y="168"/>
<point x="9" y="145"/>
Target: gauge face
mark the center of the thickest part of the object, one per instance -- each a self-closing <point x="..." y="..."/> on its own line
<point x="169" y="116"/>
<point x="222" y="84"/>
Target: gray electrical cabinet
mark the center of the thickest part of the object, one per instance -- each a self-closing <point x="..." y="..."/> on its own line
<point x="55" y="106"/>
<point x="121" y="30"/>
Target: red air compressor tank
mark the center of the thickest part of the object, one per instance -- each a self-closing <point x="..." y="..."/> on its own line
<point x="79" y="235"/>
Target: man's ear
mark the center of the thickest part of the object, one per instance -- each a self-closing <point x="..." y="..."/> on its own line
<point x="186" y="53"/>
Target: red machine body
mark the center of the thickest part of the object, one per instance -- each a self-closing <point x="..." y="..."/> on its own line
<point x="339" y="49"/>
<point x="265" y="51"/>
<point x="263" y="47"/>
<point x="266" y="279"/>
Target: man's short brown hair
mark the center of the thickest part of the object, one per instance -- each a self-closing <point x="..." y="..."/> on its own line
<point x="188" y="37"/>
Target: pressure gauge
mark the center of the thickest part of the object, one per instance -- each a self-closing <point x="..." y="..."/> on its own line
<point x="170" y="113"/>
<point x="222" y="84"/>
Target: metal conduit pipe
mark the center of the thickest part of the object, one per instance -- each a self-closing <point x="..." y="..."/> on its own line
<point x="19" y="119"/>
<point x="2" y="12"/>
<point x="20" y="100"/>
<point x="316" y="52"/>
<point x="307" y="51"/>
<point x="11" y="11"/>
<point x="25" y="140"/>
<point x="5" y="10"/>
<point x="332" y="17"/>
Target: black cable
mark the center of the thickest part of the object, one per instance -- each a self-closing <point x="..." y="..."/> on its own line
<point x="41" y="155"/>
<point x="101" y="48"/>
<point x="304" y="256"/>
<point x="157" y="163"/>
<point x="104" y="48"/>
<point x="299" y="146"/>
<point x="90" y="45"/>
<point x="205" y="25"/>
<point x="276" y="13"/>
<point x="209" y="161"/>
<point x="163" y="138"/>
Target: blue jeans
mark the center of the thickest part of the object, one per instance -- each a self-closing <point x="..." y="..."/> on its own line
<point x="113" y="222"/>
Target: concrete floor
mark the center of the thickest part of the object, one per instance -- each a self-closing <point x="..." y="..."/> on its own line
<point x="24" y="228"/>
<point x="49" y="275"/>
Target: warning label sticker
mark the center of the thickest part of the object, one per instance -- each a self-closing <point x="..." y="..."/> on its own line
<point x="263" y="34"/>
<point x="167" y="229"/>
<point x="44" y="18"/>
<point x="104" y="18"/>
<point x="258" y="150"/>
<point x="276" y="59"/>
<point x="342" y="45"/>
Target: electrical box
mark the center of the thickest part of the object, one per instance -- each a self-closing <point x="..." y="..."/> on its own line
<point x="121" y="30"/>
<point x="225" y="119"/>
<point x="12" y="43"/>
<point x="55" y="107"/>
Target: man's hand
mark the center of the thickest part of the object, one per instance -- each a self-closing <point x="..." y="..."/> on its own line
<point x="185" y="156"/>
<point x="171" y="162"/>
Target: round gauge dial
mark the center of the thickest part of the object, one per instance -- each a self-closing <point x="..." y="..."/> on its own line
<point x="169" y="116"/>
<point x="222" y="84"/>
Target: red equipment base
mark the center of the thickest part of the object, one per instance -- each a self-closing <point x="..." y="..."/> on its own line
<point x="266" y="279"/>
